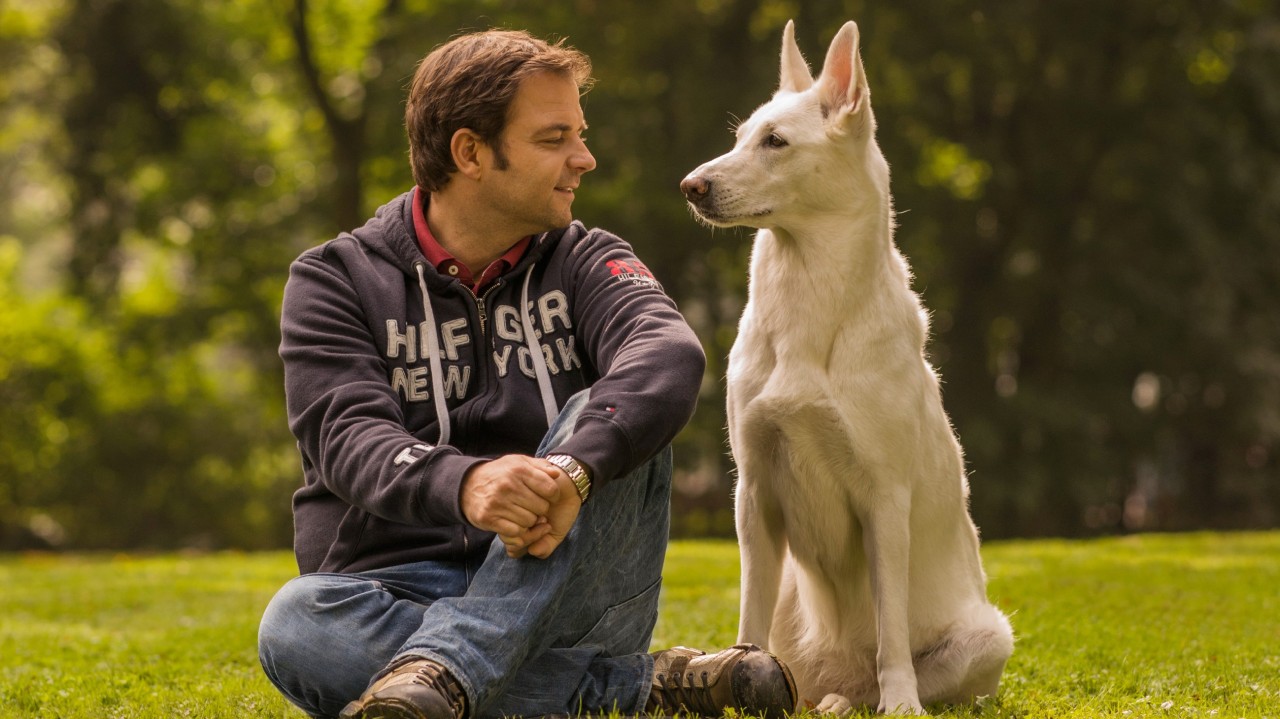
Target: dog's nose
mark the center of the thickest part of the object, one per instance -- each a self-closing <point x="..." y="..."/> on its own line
<point x="695" y="188"/>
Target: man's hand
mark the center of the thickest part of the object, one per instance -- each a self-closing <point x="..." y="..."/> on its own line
<point x="560" y="517"/>
<point x="528" y="502"/>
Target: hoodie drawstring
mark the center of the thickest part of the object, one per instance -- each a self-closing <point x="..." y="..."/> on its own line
<point x="437" y="367"/>
<point x="536" y="357"/>
<point x="535" y="354"/>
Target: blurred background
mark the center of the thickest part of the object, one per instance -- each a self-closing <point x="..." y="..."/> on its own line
<point x="1088" y="192"/>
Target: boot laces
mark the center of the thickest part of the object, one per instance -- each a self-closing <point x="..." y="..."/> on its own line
<point x="681" y="690"/>
<point x="433" y="675"/>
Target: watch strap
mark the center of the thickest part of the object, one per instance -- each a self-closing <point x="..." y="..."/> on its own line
<point x="577" y="473"/>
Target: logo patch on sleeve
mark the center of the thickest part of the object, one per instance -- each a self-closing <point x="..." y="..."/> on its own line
<point x="634" y="272"/>
<point x="412" y="454"/>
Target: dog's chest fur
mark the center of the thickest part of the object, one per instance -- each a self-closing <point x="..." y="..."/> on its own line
<point x="826" y="373"/>
<point x="823" y="325"/>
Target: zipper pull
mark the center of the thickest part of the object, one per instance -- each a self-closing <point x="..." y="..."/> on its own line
<point x="481" y="308"/>
<point x="484" y="315"/>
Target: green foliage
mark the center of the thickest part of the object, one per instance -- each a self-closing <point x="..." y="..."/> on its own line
<point x="127" y="441"/>
<point x="1151" y="626"/>
<point x="1087" y="191"/>
<point x="1109" y="248"/>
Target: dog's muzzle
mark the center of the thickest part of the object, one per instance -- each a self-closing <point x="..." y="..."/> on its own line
<point x="696" y="189"/>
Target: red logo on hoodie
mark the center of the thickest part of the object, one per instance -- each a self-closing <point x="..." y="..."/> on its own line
<point x="632" y="271"/>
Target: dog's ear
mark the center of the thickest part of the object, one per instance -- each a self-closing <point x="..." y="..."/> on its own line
<point x="795" y="75"/>
<point x="842" y="87"/>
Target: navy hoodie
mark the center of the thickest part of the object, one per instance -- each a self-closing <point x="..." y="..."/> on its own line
<point x="368" y="381"/>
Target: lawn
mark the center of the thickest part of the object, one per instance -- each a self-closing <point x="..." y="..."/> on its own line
<point x="1154" y="625"/>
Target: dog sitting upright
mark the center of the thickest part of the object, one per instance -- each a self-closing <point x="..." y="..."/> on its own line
<point x="860" y="564"/>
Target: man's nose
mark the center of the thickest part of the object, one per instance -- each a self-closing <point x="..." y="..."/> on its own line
<point x="583" y="160"/>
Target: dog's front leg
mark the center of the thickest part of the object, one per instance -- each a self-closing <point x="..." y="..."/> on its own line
<point x="887" y="540"/>
<point x="761" y="538"/>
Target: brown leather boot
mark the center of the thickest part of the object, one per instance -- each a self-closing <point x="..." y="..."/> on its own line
<point x="744" y="677"/>
<point x="410" y="688"/>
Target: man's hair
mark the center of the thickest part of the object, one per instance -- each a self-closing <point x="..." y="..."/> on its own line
<point x="469" y="82"/>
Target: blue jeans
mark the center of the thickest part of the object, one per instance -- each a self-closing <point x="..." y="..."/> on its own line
<point x="566" y="634"/>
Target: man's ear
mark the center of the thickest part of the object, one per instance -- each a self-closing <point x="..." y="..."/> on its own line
<point x="466" y="147"/>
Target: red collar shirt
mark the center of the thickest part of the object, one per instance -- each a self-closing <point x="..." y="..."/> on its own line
<point x="448" y="265"/>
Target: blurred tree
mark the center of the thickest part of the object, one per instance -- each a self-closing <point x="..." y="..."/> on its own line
<point x="1091" y="192"/>
<point x="345" y="101"/>
<point x="1088" y="193"/>
<point x="156" y="198"/>
<point x="114" y="123"/>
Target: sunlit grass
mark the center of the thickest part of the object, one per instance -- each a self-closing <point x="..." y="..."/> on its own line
<point x="1159" y="626"/>
<point x="1151" y="625"/>
<point x="119" y="636"/>
<point x="1180" y="625"/>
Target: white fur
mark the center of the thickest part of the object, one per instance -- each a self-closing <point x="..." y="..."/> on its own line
<point x="860" y="564"/>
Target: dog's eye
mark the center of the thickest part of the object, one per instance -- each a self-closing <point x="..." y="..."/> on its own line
<point x="775" y="140"/>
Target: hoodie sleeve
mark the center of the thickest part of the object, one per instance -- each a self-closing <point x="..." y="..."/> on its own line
<point x="649" y="360"/>
<point x="346" y="416"/>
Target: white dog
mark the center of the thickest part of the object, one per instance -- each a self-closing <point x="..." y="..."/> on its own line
<point x="860" y="563"/>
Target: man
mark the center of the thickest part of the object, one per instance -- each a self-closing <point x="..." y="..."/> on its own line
<point x="470" y="364"/>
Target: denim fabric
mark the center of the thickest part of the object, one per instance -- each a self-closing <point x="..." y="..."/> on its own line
<point x="523" y="636"/>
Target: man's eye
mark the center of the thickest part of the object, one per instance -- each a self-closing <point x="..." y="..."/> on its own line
<point x="775" y="140"/>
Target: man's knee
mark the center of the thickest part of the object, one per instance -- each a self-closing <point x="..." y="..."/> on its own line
<point x="281" y="644"/>
<point x="660" y="470"/>
<point x="287" y="611"/>
<point x="646" y="491"/>
<point x="309" y="641"/>
<point x="291" y="632"/>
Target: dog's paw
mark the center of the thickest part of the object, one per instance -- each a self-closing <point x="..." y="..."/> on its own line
<point x="901" y="705"/>
<point x="834" y="704"/>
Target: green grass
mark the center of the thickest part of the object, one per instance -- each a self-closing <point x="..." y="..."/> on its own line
<point x="1150" y="626"/>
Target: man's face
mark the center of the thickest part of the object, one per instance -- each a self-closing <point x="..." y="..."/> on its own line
<point x="545" y="154"/>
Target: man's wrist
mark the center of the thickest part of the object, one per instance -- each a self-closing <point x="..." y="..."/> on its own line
<point x="577" y="472"/>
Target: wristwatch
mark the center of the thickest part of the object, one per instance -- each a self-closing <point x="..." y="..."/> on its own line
<point x="581" y="478"/>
